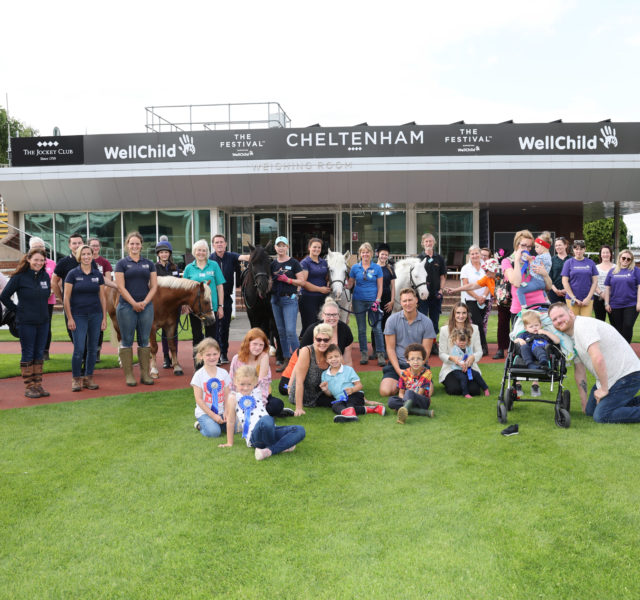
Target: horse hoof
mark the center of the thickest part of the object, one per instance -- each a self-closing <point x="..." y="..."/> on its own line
<point x="178" y="371"/>
<point x="154" y="374"/>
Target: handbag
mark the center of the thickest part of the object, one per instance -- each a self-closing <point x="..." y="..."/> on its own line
<point x="503" y="290"/>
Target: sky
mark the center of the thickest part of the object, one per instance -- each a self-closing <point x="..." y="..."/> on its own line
<point x="92" y="68"/>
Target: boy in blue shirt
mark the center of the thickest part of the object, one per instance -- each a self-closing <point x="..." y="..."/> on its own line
<point x="343" y="383"/>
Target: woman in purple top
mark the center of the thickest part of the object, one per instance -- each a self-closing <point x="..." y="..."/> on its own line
<point x="315" y="273"/>
<point x="622" y="294"/>
<point x="579" y="279"/>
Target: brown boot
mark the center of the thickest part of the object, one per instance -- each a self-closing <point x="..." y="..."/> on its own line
<point x="26" y="369"/>
<point x="89" y="383"/>
<point x="144" y="358"/>
<point x="126" y="360"/>
<point x="76" y="384"/>
<point x="37" y="379"/>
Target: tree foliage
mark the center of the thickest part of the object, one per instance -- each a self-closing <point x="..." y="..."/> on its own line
<point x="600" y="233"/>
<point x="18" y="129"/>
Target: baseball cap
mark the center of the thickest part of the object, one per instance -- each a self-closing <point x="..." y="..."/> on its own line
<point x="282" y="240"/>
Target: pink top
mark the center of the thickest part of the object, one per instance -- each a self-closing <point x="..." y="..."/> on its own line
<point x="264" y="383"/>
<point x="49" y="266"/>
<point x="535" y="297"/>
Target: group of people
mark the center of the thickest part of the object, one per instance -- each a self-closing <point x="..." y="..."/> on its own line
<point x="317" y="368"/>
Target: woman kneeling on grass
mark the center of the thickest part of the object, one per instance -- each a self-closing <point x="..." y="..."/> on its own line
<point x="247" y="405"/>
<point x="254" y="352"/>
<point x="211" y="386"/>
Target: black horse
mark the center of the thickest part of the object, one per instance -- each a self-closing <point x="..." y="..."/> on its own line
<point x="256" y="293"/>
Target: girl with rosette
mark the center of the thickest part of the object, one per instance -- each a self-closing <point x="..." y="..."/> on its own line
<point x="211" y="386"/>
<point x="257" y="426"/>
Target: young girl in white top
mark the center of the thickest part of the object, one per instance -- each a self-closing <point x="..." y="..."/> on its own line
<point x="258" y="428"/>
<point x="211" y="386"/>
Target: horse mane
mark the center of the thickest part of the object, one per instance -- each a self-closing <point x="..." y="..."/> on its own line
<point x="405" y="265"/>
<point x="183" y="284"/>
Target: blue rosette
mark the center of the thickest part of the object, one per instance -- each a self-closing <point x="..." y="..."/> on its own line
<point x="214" y="385"/>
<point x="469" y="373"/>
<point x="246" y="405"/>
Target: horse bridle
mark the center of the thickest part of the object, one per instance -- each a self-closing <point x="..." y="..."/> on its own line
<point x="200" y="314"/>
<point x="343" y="283"/>
<point x="415" y="286"/>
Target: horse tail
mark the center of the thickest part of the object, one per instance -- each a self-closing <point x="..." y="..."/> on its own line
<point x="113" y="335"/>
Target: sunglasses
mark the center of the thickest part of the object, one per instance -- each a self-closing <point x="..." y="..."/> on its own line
<point x="323" y="340"/>
<point x="625" y="258"/>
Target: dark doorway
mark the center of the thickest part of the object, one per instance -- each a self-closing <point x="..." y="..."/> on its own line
<point x="306" y="226"/>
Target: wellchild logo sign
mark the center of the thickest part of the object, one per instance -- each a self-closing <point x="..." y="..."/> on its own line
<point x="608" y="140"/>
<point x="152" y="152"/>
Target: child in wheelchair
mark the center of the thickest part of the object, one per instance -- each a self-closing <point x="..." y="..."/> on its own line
<point x="533" y="341"/>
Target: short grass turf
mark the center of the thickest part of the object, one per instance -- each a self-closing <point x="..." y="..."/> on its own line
<point x="120" y="497"/>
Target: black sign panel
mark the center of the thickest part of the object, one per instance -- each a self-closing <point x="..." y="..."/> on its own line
<point x="507" y="139"/>
<point x="47" y="151"/>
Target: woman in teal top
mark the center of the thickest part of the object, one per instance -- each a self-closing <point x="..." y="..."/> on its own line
<point x="204" y="269"/>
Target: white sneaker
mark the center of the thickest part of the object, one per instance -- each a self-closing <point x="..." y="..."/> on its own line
<point x="272" y="351"/>
<point x="535" y="390"/>
<point x="196" y="425"/>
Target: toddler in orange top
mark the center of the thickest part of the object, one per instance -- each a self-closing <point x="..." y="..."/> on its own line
<point x="490" y="267"/>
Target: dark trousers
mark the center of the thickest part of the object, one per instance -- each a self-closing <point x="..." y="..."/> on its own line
<point x="46" y="348"/>
<point x="309" y="307"/>
<point x="533" y="356"/>
<point x="465" y="383"/>
<point x="385" y="318"/>
<point x="598" y="308"/>
<point x="477" y="318"/>
<point x="504" y="323"/>
<point x="355" y="400"/>
<point x="222" y="326"/>
<point x="84" y="358"/>
<point x="165" y="341"/>
<point x="196" y="330"/>
<point x="274" y="406"/>
<point x="453" y="388"/>
<point x="432" y="308"/>
<point x="623" y="319"/>
<point x="419" y="401"/>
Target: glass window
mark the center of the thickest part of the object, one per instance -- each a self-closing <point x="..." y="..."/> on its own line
<point x="201" y="226"/>
<point x="144" y="222"/>
<point x="40" y="225"/>
<point x="240" y="235"/>
<point x="106" y="227"/>
<point x="428" y="222"/>
<point x="266" y="228"/>
<point x="456" y="235"/>
<point x="367" y="227"/>
<point x="176" y="225"/>
<point x="222" y="223"/>
<point x="396" y="224"/>
<point x="66" y="224"/>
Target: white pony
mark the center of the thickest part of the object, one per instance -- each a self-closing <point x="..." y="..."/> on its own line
<point x="411" y="272"/>
<point x="338" y="272"/>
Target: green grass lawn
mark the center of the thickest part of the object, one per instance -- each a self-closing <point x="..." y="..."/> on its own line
<point x="120" y="497"/>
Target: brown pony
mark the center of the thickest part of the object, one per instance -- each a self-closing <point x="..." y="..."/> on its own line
<point x="173" y="292"/>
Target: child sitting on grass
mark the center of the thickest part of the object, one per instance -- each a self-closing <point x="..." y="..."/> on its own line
<point x="246" y="406"/>
<point x="343" y="383"/>
<point x="414" y="386"/>
<point x="534" y="341"/>
<point x="462" y="372"/>
<point x="210" y="386"/>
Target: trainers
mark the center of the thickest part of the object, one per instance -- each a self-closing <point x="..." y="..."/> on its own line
<point x="287" y="412"/>
<point x="403" y="413"/>
<point x="345" y="418"/>
<point x="431" y="414"/>
<point x="380" y="410"/>
<point x="364" y="359"/>
<point x="535" y="390"/>
<point x="382" y="361"/>
<point x="223" y="359"/>
<point x="196" y="425"/>
<point x="519" y="392"/>
<point x="511" y="430"/>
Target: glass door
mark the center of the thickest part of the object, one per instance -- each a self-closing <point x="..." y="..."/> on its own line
<point x="303" y="227"/>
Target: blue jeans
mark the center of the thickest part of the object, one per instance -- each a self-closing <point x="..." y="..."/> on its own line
<point x="267" y="435"/>
<point x="131" y="322"/>
<point x="532" y="286"/>
<point x="620" y="405"/>
<point x="432" y="308"/>
<point x="86" y="336"/>
<point x="33" y="339"/>
<point x="285" y="312"/>
<point x="209" y="428"/>
<point x="361" y="308"/>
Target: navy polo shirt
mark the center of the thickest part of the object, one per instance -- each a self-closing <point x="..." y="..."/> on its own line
<point x="318" y="273"/>
<point x="65" y="264"/>
<point x="136" y="277"/>
<point x="230" y="266"/>
<point x="85" y="295"/>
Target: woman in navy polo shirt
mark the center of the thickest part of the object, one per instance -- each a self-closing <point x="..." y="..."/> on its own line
<point x="365" y="279"/>
<point x="85" y="307"/>
<point x="284" y="298"/>
<point x="622" y="294"/>
<point x="207" y="270"/>
<point x="32" y="284"/>
<point x="137" y="283"/>
<point x="315" y="273"/>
